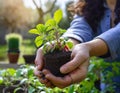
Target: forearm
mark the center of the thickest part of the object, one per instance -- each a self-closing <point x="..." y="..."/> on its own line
<point x="74" y="41"/>
<point x="97" y="47"/>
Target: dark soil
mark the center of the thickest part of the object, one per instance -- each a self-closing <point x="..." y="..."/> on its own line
<point x="54" y="61"/>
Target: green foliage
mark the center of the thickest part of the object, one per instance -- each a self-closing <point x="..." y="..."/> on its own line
<point x="13" y="40"/>
<point x="28" y="79"/>
<point x="7" y="76"/>
<point x="51" y="32"/>
<point x="3" y="52"/>
<point x="30" y="82"/>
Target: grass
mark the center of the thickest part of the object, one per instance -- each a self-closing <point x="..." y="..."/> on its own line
<point x="27" y="47"/>
<point x="3" y="52"/>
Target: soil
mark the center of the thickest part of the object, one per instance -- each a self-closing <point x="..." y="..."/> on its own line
<point x="54" y="61"/>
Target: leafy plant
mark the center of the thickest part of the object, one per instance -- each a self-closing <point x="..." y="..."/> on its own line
<point x="13" y="41"/>
<point x="7" y="77"/>
<point x="49" y="35"/>
<point x="29" y="82"/>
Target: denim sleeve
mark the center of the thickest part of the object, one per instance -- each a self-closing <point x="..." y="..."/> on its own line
<point x="79" y="30"/>
<point x="112" y="39"/>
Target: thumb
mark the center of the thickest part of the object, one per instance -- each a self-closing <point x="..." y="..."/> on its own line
<point x="68" y="67"/>
<point x="73" y="64"/>
<point x="39" y="59"/>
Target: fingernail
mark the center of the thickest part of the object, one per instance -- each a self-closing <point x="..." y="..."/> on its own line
<point x="63" y="69"/>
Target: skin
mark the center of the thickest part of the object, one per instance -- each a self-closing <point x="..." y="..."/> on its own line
<point x="76" y="68"/>
<point x="111" y="4"/>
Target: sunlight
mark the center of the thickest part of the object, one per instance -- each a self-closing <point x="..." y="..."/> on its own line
<point x="31" y="5"/>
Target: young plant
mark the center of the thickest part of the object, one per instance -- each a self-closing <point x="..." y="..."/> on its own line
<point x="29" y="82"/>
<point x="56" y="49"/>
<point x="49" y="35"/>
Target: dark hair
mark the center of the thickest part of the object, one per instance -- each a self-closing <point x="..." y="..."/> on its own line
<point x="117" y="11"/>
<point x="93" y="11"/>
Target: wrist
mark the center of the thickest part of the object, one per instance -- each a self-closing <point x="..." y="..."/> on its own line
<point x="97" y="47"/>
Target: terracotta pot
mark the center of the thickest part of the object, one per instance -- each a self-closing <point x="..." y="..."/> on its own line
<point x="29" y="59"/>
<point x="54" y="61"/>
<point x="13" y="57"/>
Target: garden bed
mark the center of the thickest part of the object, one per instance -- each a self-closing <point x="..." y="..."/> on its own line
<point x="30" y="83"/>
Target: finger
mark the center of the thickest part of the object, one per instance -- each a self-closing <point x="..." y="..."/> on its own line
<point x="43" y="81"/>
<point x="73" y="64"/>
<point x="39" y="59"/>
<point x="80" y="73"/>
<point x="59" y="81"/>
<point x="49" y="84"/>
<point x="37" y="72"/>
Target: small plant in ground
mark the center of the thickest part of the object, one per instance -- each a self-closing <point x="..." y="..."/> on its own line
<point x="7" y="77"/>
<point x="8" y="80"/>
<point x="29" y="83"/>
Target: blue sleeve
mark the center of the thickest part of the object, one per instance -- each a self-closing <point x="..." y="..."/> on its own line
<point x="112" y="39"/>
<point x="79" y="30"/>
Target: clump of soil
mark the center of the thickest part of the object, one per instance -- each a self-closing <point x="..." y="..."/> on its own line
<point x="54" y="61"/>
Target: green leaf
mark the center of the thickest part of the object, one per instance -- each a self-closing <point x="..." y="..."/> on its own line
<point x="17" y="89"/>
<point x="31" y="89"/>
<point x="23" y="80"/>
<point x="41" y="28"/>
<point x="58" y="15"/>
<point x="30" y="72"/>
<point x="18" y="73"/>
<point x="69" y="44"/>
<point x="50" y="22"/>
<point x="34" y="31"/>
<point x="1" y="80"/>
<point x="61" y="31"/>
<point x="91" y="66"/>
<point x="71" y="89"/>
<point x="11" y="71"/>
<point x="38" y="41"/>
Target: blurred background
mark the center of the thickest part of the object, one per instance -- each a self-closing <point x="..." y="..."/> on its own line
<point x="18" y="16"/>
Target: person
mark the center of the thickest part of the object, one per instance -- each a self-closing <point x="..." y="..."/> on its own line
<point x="95" y="31"/>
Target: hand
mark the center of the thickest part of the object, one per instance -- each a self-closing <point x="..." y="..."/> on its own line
<point x="39" y="58"/>
<point x="39" y="64"/>
<point x="39" y="67"/>
<point x="77" y="69"/>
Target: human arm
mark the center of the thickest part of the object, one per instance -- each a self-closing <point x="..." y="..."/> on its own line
<point x="77" y="67"/>
<point x="78" y="26"/>
<point x="79" y="30"/>
<point x="96" y="47"/>
<point x="112" y="39"/>
<point x="109" y="41"/>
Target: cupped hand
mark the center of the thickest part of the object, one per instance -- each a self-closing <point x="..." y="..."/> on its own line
<point x="76" y="69"/>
